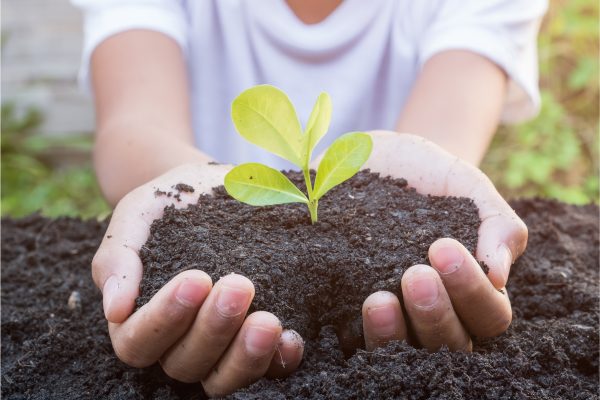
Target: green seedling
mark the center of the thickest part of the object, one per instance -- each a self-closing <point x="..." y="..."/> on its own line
<point x="265" y="116"/>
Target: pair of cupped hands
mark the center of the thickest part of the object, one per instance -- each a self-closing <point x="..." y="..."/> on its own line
<point x="200" y="330"/>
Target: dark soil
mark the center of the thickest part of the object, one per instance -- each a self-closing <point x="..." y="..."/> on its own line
<point x="55" y="343"/>
<point x="369" y="231"/>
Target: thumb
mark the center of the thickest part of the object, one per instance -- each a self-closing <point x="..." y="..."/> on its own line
<point x="116" y="267"/>
<point x="117" y="272"/>
<point x="502" y="238"/>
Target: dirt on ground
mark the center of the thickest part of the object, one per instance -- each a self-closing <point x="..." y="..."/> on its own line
<point x="55" y="342"/>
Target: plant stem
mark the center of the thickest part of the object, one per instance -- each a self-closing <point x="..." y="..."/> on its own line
<point x="308" y="183"/>
<point x="312" y="204"/>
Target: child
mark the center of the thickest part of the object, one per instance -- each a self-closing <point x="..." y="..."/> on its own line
<point x="164" y="73"/>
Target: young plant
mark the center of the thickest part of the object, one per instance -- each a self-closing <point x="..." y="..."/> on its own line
<point x="264" y="115"/>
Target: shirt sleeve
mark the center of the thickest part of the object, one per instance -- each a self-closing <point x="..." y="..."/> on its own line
<point x="104" y="18"/>
<point x="504" y="31"/>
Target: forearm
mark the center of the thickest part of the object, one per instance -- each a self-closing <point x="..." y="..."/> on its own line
<point x="456" y="103"/>
<point x="124" y="160"/>
<point x="142" y="111"/>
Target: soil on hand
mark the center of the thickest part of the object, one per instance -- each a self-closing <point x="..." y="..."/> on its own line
<point x="55" y="343"/>
<point x="369" y="231"/>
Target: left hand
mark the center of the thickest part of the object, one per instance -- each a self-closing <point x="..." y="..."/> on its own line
<point x="453" y="298"/>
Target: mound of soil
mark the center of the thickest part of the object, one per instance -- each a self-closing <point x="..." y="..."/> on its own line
<point x="369" y="231"/>
<point x="55" y="342"/>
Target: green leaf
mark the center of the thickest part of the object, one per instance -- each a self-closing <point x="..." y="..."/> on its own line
<point x="342" y="160"/>
<point x="317" y="126"/>
<point x="265" y="116"/>
<point x="259" y="185"/>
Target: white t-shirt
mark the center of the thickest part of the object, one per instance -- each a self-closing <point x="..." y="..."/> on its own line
<point x="366" y="55"/>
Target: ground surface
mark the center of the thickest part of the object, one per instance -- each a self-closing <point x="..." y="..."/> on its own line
<point x="550" y="351"/>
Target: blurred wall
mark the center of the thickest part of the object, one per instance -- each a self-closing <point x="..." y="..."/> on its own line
<point x="41" y="48"/>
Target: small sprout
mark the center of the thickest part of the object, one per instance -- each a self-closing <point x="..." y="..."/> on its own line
<point x="265" y="116"/>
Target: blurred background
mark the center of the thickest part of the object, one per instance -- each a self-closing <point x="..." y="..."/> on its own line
<point x="47" y="122"/>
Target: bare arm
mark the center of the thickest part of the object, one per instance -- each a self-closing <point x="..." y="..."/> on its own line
<point x="456" y="103"/>
<point x="144" y="128"/>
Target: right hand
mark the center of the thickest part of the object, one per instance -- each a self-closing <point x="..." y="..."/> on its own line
<point x="196" y="331"/>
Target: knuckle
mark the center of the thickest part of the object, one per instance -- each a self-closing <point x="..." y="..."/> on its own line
<point x="501" y="324"/>
<point x="173" y="313"/>
<point x="216" y="390"/>
<point x="430" y="319"/>
<point x="471" y="294"/>
<point x="219" y="337"/>
<point x="467" y="347"/>
<point x="179" y="372"/>
<point x="496" y="326"/>
<point x="127" y="352"/>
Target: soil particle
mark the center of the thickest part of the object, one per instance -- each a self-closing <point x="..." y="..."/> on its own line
<point x="550" y="350"/>
<point x="182" y="187"/>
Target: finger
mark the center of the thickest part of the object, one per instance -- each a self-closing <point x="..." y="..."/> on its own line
<point x="150" y="331"/>
<point x="502" y="238"/>
<point x="248" y="357"/>
<point x="484" y="310"/>
<point x="382" y="320"/>
<point x="502" y="234"/>
<point x="215" y="326"/>
<point x="288" y="355"/>
<point x="433" y="319"/>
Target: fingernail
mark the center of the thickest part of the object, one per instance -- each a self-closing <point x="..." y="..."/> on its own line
<point x="383" y="320"/>
<point x="292" y="337"/>
<point x="448" y="260"/>
<point x="504" y="257"/>
<point x="423" y="291"/>
<point x="189" y="294"/>
<point x="109" y="291"/>
<point x="260" y="341"/>
<point x="232" y="301"/>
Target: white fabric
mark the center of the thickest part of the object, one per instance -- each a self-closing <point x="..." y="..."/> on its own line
<point x="366" y="55"/>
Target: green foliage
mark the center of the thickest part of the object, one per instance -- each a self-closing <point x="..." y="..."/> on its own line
<point x="259" y="185"/>
<point x="317" y="126"/>
<point x="556" y="155"/>
<point x="342" y="161"/>
<point x="265" y="116"/>
<point x="30" y="181"/>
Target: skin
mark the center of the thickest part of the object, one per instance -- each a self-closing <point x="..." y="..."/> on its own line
<point x="199" y="330"/>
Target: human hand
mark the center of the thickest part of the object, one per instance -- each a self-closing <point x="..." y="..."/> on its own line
<point x="453" y="298"/>
<point x="197" y="331"/>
